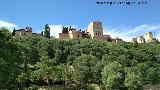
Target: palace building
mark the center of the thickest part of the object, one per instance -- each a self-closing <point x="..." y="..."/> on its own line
<point x="148" y="37"/>
<point x="72" y="33"/>
<point x="24" y="32"/>
<point x="94" y="31"/>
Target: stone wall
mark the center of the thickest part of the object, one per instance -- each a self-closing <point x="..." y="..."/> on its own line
<point x="64" y="36"/>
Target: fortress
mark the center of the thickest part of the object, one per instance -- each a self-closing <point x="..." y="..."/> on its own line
<point x="24" y="32"/>
<point x="94" y="31"/>
<point x="71" y="33"/>
<point x="148" y="37"/>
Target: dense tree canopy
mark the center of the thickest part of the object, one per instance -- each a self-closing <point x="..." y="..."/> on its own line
<point x="42" y="61"/>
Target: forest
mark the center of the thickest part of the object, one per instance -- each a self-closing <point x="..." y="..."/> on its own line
<point x="77" y="63"/>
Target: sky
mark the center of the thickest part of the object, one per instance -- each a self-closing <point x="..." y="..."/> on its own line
<point x="119" y="20"/>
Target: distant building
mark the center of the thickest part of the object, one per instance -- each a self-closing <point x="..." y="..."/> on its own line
<point x="72" y="33"/>
<point x="108" y="38"/>
<point x="140" y="39"/>
<point x="118" y="40"/>
<point x="64" y="35"/>
<point x="148" y="37"/>
<point x="94" y="31"/>
<point x="22" y="32"/>
<point x="134" y="40"/>
<point x="25" y="32"/>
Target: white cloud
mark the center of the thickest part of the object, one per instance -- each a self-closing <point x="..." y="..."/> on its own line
<point x="56" y="29"/>
<point x="127" y="33"/>
<point x="7" y="24"/>
<point x="158" y="35"/>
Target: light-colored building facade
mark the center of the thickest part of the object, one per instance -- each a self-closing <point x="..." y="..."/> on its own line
<point x="140" y="39"/>
<point x="71" y="33"/>
<point x="148" y="36"/>
<point x="95" y="29"/>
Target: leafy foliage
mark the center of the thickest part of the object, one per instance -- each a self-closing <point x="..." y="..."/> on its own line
<point x="84" y="69"/>
<point x="39" y="60"/>
<point x="113" y="76"/>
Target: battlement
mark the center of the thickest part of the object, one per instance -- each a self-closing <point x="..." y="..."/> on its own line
<point x="72" y="33"/>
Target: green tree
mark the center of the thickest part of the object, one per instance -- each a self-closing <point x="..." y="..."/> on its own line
<point x="113" y="76"/>
<point x="46" y="70"/>
<point x="42" y="32"/>
<point x="47" y="31"/>
<point x="152" y="76"/>
<point x="5" y="34"/>
<point x="84" y="69"/>
<point x="10" y="60"/>
<point x="133" y="81"/>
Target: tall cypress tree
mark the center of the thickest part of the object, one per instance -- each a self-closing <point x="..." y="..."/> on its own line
<point x="47" y="31"/>
<point x="13" y="33"/>
<point x="42" y="32"/>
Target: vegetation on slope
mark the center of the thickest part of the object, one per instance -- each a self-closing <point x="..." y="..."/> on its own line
<point x="26" y="61"/>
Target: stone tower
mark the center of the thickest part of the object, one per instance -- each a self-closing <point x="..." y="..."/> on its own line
<point x="95" y="29"/>
<point x="28" y="31"/>
<point x="148" y="36"/>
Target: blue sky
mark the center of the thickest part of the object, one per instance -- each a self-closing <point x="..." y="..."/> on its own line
<point x="121" y="21"/>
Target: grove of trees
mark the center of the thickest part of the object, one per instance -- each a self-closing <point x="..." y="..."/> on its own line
<point x="26" y="61"/>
